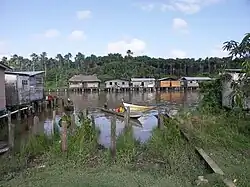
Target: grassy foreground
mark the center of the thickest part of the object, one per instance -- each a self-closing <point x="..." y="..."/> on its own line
<point x="167" y="159"/>
<point x="225" y="136"/>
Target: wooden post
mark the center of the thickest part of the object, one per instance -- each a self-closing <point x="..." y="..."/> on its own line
<point x="46" y="106"/>
<point x="61" y="105"/>
<point x="51" y="104"/>
<point x="33" y="108"/>
<point x="127" y="117"/>
<point x="93" y="121"/>
<point x="29" y="111"/>
<point x="160" y="120"/>
<point x="73" y="122"/>
<point x="35" y="125"/>
<point x="19" y="115"/>
<point x="54" y="102"/>
<point x="40" y="106"/>
<point x="113" y="138"/>
<point x="64" y="136"/>
<point x="53" y="122"/>
<point x="85" y="112"/>
<point x="11" y="128"/>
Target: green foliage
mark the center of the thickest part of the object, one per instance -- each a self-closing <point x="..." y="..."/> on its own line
<point x="127" y="146"/>
<point x="239" y="52"/>
<point x="83" y="141"/>
<point x="35" y="145"/>
<point x="60" y="69"/>
<point x="225" y="136"/>
<point x="212" y="95"/>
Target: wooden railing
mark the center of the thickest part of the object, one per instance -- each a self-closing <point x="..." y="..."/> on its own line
<point x="16" y="111"/>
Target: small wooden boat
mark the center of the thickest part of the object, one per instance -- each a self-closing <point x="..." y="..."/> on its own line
<point x="68" y="108"/>
<point x="138" y="107"/>
<point x="3" y="147"/>
<point x="121" y="114"/>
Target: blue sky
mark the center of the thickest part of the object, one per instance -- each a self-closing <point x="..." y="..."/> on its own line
<point x="159" y="28"/>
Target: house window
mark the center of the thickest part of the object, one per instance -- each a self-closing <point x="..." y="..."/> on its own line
<point x="24" y="82"/>
<point x="39" y="80"/>
<point x="123" y="83"/>
<point x="142" y="83"/>
<point x="116" y="83"/>
<point x="110" y="83"/>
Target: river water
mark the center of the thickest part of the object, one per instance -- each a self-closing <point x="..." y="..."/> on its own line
<point x="172" y="101"/>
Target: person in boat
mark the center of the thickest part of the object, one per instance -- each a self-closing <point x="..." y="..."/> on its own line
<point x="69" y="101"/>
<point x="120" y="109"/>
<point x="105" y="105"/>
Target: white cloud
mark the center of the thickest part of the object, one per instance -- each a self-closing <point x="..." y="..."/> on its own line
<point x="51" y="33"/>
<point x="137" y="46"/>
<point x="218" y="52"/>
<point x="77" y="35"/>
<point x="180" y="24"/>
<point x="83" y="14"/>
<point x="147" y="7"/>
<point x="187" y="6"/>
<point x="176" y="53"/>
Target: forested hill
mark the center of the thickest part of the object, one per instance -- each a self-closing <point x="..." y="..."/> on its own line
<point x="61" y="68"/>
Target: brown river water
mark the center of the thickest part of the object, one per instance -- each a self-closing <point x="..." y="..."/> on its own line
<point x="173" y="101"/>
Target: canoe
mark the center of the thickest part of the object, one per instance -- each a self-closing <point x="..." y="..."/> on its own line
<point x="132" y="115"/>
<point x="68" y="108"/>
<point x="137" y="107"/>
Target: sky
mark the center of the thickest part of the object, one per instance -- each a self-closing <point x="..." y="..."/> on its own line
<point x="157" y="28"/>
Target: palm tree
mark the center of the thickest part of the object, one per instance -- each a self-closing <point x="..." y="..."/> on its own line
<point x="60" y="59"/>
<point x="44" y="59"/>
<point x="67" y="58"/>
<point x="79" y="59"/>
<point x="34" y="58"/>
<point x="129" y="53"/>
<point x="5" y="60"/>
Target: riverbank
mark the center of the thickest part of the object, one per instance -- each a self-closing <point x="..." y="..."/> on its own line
<point x="225" y="137"/>
<point x="166" y="159"/>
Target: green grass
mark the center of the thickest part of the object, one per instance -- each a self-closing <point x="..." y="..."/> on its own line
<point x="165" y="160"/>
<point x="68" y="176"/>
<point x="226" y="138"/>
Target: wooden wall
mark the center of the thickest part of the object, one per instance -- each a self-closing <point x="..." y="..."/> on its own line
<point x="169" y="84"/>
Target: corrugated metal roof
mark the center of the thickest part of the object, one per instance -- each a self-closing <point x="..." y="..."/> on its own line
<point x="142" y="79"/>
<point x="28" y="73"/>
<point x="166" y="78"/>
<point x="84" y="78"/>
<point x="196" y="78"/>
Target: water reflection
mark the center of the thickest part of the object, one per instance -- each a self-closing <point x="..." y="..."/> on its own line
<point x="142" y="130"/>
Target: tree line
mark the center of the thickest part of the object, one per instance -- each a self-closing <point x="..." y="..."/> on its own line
<point x="61" y="68"/>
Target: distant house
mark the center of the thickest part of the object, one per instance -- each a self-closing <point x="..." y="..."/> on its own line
<point x="168" y="82"/>
<point x="84" y="81"/>
<point x="117" y="83"/>
<point x="228" y="96"/>
<point x="24" y="87"/>
<point x="2" y="86"/>
<point x="193" y="82"/>
<point x="143" y="82"/>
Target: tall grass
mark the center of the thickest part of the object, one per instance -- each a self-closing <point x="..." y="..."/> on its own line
<point x="127" y="146"/>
